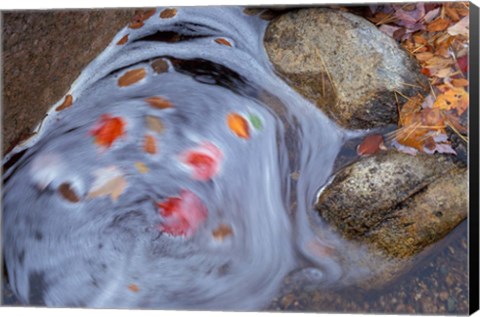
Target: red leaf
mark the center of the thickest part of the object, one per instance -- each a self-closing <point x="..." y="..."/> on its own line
<point x="107" y="130"/>
<point x="204" y="160"/>
<point x="463" y="63"/>
<point x="370" y="145"/>
<point x="182" y="215"/>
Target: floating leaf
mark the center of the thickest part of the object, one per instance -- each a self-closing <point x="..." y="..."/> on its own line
<point x="223" y="41"/>
<point x="222" y="231"/>
<point x="159" y="66"/>
<point x="158" y="102"/>
<point x="109" y="181"/>
<point x="131" y="77"/>
<point x="67" y="102"/>
<point x="141" y="167"/>
<point x="203" y="160"/>
<point x="154" y="124"/>
<point x="107" y="130"/>
<point x="138" y="19"/>
<point x="182" y="215"/>
<point x="255" y="121"/>
<point x="238" y="125"/>
<point x="133" y="287"/>
<point x="371" y="145"/>
<point x="123" y="40"/>
<point x="68" y="193"/>
<point x="168" y="13"/>
<point x="149" y="144"/>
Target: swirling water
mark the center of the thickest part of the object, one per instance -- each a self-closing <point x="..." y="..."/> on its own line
<point x="212" y="214"/>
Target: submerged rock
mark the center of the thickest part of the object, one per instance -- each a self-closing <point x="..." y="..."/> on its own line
<point x="344" y="64"/>
<point x="396" y="203"/>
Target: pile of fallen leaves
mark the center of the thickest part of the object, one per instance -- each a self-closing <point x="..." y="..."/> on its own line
<point x="437" y="36"/>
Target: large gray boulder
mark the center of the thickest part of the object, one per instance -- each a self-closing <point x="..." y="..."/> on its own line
<point x="343" y="64"/>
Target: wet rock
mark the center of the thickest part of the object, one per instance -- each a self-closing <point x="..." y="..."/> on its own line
<point x="396" y="203"/>
<point x="43" y="52"/>
<point x="343" y="64"/>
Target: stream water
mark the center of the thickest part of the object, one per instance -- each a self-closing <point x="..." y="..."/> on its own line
<point x="183" y="175"/>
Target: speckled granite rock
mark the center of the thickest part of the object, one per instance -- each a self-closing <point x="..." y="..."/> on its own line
<point x="395" y="202"/>
<point x="342" y="63"/>
<point x="64" y="43"/>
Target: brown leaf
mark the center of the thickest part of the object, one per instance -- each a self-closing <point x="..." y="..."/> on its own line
<point x="438" y="25"/>
<point x="223" y="41"/>
<point x="136" y="24"/>
<point x="451" y="13"/>
<point x="154" y="124"/>
<point x="147" y="14"/>
<point x="158" y="102"/>
<point x="123" y="40"/>
<point x="68" y="193"/>
<point x="159" y="66"/>
<point x="168" y="13"/>
<point x="222" y="231"/>
<point x="150" y="145"/>
<point x="67" y="102"/>
<point x="133" y="287"/>
<point x="131" y="77"/>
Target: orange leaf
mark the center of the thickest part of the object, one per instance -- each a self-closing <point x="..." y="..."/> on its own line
<point x="460" y="82"/>
<point x="455" y="98"/>
<point x="149" y="144"/>
<point x="123" y="40"/>
<point x="433" y="118"/>
<point x="108" y="129"/>
<point x="141" y="167"/>
<point x="422" y="57"/>
<point x="238" y="125"/>
<point x="132" y="76"/>
<point x="67" y="102"/>
<point x="223" y="41"/>
<point x="158" y="102"/>
<point x="438" y="25"/>
<point x="133" y="287"/>
<point x="68" y="193"/>
<point x="168" y="13"/>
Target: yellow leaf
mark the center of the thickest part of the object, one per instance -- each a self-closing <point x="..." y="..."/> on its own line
<point x="109" y="181"/>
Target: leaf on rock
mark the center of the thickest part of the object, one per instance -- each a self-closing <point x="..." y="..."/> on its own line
<point x="238" y="125"/>
<point x="131" y="77"/>
<point x="455" y="98"/>
<point x="438" y="25"/>
<point x="109" y="181"/>
<point x="460" y="28"/>
<point x="107" y="130"/>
